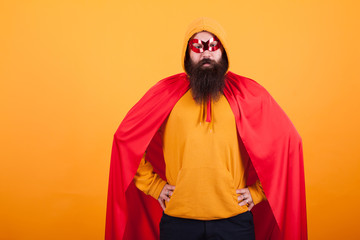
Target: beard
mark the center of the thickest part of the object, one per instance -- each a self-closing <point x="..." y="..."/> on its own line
<point x="206" y="81"/>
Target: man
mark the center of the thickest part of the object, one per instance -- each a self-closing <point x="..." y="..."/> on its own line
<point x="214" y="136"/>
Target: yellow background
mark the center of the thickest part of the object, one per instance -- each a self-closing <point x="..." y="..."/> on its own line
<point x="70" y="70"/>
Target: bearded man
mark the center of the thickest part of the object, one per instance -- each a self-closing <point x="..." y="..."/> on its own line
<point x="209" y="145"/>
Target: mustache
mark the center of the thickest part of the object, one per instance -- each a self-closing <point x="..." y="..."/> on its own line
<point x="206" y="61"/>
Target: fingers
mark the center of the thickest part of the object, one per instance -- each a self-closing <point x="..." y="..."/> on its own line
<point x="242" y="190"/>
<point x="167" y="191"/>
<point x="170" y="187"/>
<point x="162" y="204"/>
<point x="166" y="198"/>
<point x="247" y="202"/>
<point x="241" y="197"/>
<point x="251" y="206"/>
<point x="243" y="203"/>
<point x="245" y="198"/>
<point x="165" y="195"/>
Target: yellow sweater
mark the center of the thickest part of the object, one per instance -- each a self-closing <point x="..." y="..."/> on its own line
<point x="203" y="161"/>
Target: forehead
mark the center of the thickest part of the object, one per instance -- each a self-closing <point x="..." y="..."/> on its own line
<point x="203" y="36"/>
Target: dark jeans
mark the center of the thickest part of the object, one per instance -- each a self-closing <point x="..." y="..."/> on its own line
<point x="239" y="227"/>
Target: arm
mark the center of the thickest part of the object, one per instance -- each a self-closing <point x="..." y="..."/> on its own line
<point x="151" y="183"/>
<point x="251" y="195"/>
<point x="147" y="180"/>
<point x="257" y="192"/>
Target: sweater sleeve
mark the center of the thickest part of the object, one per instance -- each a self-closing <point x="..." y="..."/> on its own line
<point x="147" y="180"/>
<point x="257" y="192"/>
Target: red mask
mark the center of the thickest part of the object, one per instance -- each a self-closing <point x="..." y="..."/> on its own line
<point x="199" y="46"/>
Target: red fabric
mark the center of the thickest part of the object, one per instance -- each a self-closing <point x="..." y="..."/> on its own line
<point x="208" y="110"/>
<point x="272" y="142"/>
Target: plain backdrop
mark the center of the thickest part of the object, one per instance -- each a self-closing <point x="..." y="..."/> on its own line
<point x="70" y="70"/>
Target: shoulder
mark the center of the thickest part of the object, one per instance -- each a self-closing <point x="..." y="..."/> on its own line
<point x="244" y="85"/>
<point x="179" y="77"/>
<point x="257" y="103"/>
<point x="159" y="95"/>
<point x="168" y="84"/>
<point x="154" y="105"/>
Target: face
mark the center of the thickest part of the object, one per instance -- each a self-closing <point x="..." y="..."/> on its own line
<point x="206" y="54"/>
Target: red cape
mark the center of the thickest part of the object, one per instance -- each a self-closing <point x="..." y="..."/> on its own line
<point x="271" y="140"/>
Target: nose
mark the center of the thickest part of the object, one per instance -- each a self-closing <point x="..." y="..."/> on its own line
<point x="206" y="54"/>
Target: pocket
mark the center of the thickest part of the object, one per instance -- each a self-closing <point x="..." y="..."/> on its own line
<point x="203" y="193"/>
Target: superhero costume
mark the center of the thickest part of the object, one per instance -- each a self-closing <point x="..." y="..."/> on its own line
<point x="269" y="137"/>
